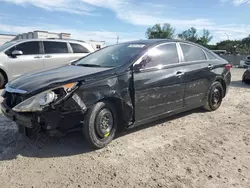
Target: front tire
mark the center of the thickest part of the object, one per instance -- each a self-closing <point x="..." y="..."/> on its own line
<point x="100" y="125"/>
<point x="214" y="97"/>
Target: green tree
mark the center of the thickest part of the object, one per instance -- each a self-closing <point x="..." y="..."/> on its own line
<point x="192" y="35"/>
<point x="189" y="35"/>
<point x="232" y="46"/>
<point x="205" y="38"/>
<point x="166" y="31"/>
<point x="246" y="43"/>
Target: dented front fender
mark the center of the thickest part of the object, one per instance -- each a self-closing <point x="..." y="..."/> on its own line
<point x="117" y="88"/>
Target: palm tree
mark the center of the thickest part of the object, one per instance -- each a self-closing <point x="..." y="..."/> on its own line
<point x="160" y="32"/>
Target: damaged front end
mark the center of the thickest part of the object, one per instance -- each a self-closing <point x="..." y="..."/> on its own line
<point x="57" y="110"/>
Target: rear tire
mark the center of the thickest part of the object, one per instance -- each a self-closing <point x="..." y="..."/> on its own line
<point x="100" y="125"/>
<point x="244" y="77"/>
<point x="2" y="81"/>
<point x="214" y="97"/>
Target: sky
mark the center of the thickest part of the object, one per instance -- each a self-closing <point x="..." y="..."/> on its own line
<point x="128" y="19"/>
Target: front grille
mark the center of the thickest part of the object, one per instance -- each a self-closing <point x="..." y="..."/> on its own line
<point x="13" y="99"/>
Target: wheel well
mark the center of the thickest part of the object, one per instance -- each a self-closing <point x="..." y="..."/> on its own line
<point x="5" y="75"/>
<point x="124" y="112"/>
<point x="223" y="83"/>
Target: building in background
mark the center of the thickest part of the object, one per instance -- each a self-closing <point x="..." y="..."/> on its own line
<point x="5" y="38"/>
<point x="45" y="34"/>
<point x="42" y="35"/>
<point x="96" y="44"/>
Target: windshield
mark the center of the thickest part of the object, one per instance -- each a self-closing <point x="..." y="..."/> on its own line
<point x="112" y="56"/>
<point x="6" y="45"/>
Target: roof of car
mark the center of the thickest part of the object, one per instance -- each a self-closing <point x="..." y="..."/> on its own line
<point x="152" y="42"/>
<point x="49" y="39"/>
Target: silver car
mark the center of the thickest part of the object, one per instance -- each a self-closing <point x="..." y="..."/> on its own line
<point x="22" y="56"/>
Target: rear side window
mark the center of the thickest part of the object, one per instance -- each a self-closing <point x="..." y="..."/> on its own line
<point x="192" y="53"/>
<point x="77" y="48"/>
<point x="210" y="55"/>
<point x="163" y="55"/>
<point x="55" y="47"/>
<point x="28" y="48"/>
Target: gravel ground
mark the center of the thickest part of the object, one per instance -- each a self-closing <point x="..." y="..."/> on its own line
<point x="194" y="149"/>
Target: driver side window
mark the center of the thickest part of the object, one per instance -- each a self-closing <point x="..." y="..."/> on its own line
<point x="163" y="55"/>
<point x="28" y="48"/>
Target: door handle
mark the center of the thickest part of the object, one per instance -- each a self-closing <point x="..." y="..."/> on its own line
<point x="179" y="73"/>
<point x="48" y="56"/>
<point x="210" y="66"/>
<point x="37" y="57"/>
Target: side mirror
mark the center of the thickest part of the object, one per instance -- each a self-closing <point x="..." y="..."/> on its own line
<point x="137" y="67"/>
<point x="146" y="59"/>
<point x="17" y="53"/>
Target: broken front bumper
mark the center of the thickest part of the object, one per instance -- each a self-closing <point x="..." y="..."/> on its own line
<point x="22" y="119"/>
<point x="66" y="115"/>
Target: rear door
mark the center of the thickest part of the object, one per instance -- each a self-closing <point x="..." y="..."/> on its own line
<point x="55" y="53"/>
<point x="31" y="59"/>
<point x="198" y="74"/>
<point x="159" y="86"/>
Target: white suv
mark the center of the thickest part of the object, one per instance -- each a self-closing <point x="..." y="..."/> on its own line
<point x="22" y="56"/>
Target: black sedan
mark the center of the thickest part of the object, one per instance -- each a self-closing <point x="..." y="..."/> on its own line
<point x="119" y="86"/>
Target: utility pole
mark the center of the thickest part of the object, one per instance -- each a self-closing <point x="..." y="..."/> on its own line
<point x="227" y="36"/>
<point x="117" y="39"/>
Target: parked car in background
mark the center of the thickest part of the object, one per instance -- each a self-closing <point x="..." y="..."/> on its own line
<point x="22" y="56"/>
<point x="245" y="63"/>
<point x="119" y="86"/>
<point x="246" y="76"/>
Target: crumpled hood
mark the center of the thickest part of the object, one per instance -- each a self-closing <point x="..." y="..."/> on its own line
<point x="40" y="81"/>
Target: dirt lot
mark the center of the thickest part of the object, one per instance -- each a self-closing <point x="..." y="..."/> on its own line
<point x="194" y="149"/>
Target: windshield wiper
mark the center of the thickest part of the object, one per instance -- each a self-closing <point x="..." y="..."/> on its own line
<point x="88" y="65"/>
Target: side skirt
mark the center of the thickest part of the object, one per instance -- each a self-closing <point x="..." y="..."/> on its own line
<point x="162" y="116"/>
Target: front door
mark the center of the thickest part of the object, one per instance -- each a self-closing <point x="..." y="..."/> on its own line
<point x="158" y="85"/>
<point x="30" y="60"/>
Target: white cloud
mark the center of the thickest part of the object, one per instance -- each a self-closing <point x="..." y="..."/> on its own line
<point x="130" y="11"/>
<point x="239" y="2"/>
<point x="133" y="12"/>
<point x="231" y="31"/>
<point x="236" y="2"/>
<point x="109" y="37"/>
<point x="220" y="32"/>
<point x="71" y="6"/>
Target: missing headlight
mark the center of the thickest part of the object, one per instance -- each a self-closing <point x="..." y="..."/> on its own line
<point x="51" y="97"/>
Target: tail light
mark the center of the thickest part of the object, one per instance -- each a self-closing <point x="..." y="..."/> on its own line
<point x="228" y="67"/>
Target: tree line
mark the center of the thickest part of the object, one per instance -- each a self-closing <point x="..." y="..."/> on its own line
<point x="166" y="31"/>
